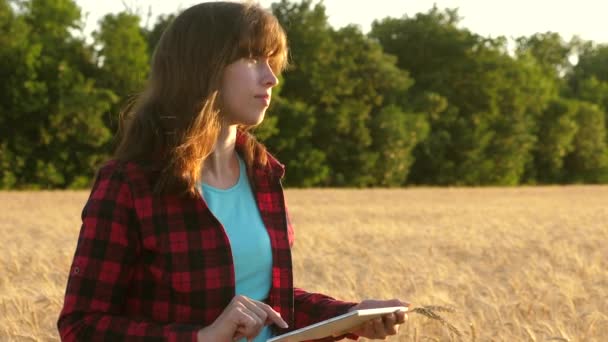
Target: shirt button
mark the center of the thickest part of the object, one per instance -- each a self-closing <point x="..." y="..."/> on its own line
<point x="76" y="270"/>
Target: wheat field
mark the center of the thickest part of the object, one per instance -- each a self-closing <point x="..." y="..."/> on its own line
<point x="517" y="264"/>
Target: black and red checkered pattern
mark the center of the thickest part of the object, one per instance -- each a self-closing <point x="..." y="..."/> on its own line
<point x="159" y="268"/>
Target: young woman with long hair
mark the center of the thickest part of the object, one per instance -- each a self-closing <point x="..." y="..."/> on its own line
<point x="186" y="234"/>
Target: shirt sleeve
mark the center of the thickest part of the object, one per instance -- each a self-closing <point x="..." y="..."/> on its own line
<point x="101" y="270"/>
<point x="312" y="308"/>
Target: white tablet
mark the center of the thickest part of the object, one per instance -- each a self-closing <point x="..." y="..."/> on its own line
<point x="335" y="326"/>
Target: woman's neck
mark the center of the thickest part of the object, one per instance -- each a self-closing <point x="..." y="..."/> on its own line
<point x="221" y="167"/>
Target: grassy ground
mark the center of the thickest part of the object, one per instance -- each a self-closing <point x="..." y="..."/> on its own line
<point x="518" y="264"/>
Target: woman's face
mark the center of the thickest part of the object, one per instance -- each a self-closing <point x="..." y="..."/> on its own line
<point x="246" y="90"/>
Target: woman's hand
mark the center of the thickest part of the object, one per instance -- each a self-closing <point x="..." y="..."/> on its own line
<point x="387" y="325"/>
<point x="242" y="318"/>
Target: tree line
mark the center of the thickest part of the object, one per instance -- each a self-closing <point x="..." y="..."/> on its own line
<point x="418" y="100"/>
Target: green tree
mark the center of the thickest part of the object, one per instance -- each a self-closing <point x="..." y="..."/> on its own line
<point x="53" y="111"/>
<point x="19" y="61"/>
<point x="550" y="51"/>
<point x="123" y="60"/>
<point x="355" y="93"/>
<point x="418" y="100"/>
<point x="485" y="131"/>
<point x="557" y="128"/>
<point x="589" y="78"/>
<point x="295" y="120"/>
<point x="588" y="160"/>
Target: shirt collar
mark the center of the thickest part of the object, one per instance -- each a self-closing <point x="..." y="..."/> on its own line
<point x="273" y="166"/>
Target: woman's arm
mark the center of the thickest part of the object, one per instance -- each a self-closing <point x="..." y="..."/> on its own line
<point x="101" y="271"/>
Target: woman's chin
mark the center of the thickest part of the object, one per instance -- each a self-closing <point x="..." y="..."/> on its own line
<point x="250" y="120"/>
<point x="257" y="120"/>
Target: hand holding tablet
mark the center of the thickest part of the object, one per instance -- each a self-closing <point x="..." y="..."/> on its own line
<point x="362" y="320"/>
<point x="384" y="326"/>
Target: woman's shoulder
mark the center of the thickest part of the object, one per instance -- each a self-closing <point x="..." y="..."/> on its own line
<point x="133" y="172"/>
<point x="124" y="183"/>
<point x="118" y="167"/>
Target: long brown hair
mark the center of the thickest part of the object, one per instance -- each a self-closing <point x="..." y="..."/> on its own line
<point x="174" y="122"/>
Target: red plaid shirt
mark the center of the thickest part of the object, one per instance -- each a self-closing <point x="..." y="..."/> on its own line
<point x="156" y="268"/>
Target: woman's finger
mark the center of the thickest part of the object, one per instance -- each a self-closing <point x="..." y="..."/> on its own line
<point x="248" y="323"/>
<point x="273" y="316"/>
<point x="255" y="308"/>
<point x="368" y="330"/>
<point x="269" y="314"/>
<point x="401" y="317"/>
<point x="389" y="323"/>
<point x="379" y="328"/>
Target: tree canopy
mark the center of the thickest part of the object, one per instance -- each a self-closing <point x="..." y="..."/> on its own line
<point x="417" y="100"/>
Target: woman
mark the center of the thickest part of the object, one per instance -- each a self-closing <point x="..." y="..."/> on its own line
<point x="186" y="235"/>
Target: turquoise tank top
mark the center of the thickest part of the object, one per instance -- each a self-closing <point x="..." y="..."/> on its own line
<point x="237" y="210"/>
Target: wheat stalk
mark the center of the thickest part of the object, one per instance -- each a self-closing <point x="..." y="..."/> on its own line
<point x="430" y="311"/>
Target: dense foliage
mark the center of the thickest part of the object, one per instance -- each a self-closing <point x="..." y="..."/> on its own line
<point x="417" y="100"/>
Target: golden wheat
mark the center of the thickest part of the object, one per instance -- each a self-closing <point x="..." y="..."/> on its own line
<point x="430" y="311"/>
<point x="517" y="264"/>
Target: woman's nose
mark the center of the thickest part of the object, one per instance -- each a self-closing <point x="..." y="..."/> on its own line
<point x="270" y="79"/>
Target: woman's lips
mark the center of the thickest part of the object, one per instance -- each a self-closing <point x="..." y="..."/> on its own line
<point x="264" y="98"/>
